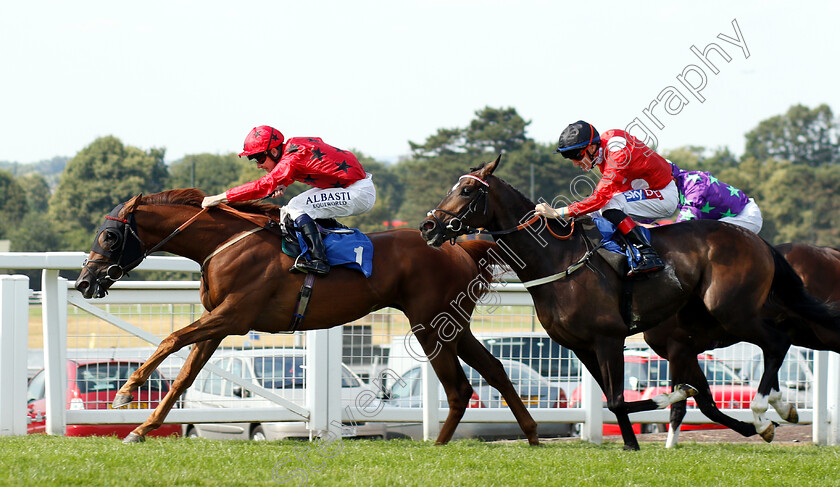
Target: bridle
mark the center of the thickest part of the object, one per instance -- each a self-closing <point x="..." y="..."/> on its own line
<point x="472" y="207"/>
<point x="121" y="229"/>
<point x="125" y="228"/>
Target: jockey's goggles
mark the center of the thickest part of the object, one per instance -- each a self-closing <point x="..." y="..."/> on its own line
<point x="575" y="152"/>
<point x="259" y="157"/>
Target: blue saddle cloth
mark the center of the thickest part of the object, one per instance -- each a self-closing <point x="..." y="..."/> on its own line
<point x="352" y="249"/>
<point x="607" y="230"/>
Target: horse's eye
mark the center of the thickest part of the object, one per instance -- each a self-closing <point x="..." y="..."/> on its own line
<point x="110" y="239"/>
<point x="466" y="190"/>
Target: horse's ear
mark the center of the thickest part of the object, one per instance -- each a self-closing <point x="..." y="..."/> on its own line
<point x="131" y="205"/>
<point x="490" y="167"/>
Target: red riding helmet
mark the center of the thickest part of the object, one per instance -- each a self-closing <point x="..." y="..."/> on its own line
<point x="261" y="139"/>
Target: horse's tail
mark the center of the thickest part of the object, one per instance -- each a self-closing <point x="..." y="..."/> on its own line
<point x="478" y="251"/>
<point x="789" y="289"/>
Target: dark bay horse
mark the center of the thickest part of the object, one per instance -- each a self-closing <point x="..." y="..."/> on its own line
<point x="713" y="271"/>
<point x="819" y="269"/>
<point x="247" y="286"/>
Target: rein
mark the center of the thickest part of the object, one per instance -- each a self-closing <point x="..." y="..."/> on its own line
<point x="167" y="239"/>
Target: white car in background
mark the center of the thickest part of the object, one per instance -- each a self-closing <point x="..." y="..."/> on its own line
<point x="534" y="389"/>
<point x="283" y="371"/>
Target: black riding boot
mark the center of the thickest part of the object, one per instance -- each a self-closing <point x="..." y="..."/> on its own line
<point x="318" y="263"/>
<point x="631" y="234"/>
<point x="649" y="261"/>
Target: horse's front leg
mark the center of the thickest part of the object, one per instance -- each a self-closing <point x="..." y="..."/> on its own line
<point x="677" y="416"/>
<point x="194" y="332"/>
<point x="200" y="353"/>
<point x="606" y="365"/>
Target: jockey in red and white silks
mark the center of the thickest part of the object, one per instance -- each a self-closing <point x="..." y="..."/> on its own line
<point x="341" y="187"/>
<point x="636" y="183"/>
<point x="634" y="179"/>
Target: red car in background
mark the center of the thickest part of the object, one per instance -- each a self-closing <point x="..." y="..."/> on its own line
<point x="646" y="375"/>
<point x="92" y="384"/>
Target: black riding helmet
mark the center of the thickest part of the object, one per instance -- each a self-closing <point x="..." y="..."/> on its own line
<point x="575" y="138"/>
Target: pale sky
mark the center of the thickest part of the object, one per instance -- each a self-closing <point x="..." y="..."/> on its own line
<point x="196" y="76"/>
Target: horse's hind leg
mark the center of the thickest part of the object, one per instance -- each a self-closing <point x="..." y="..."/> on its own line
<point x="685" y="368"/>
<point x="479" y="358"/>
<point x="768" y="387"/>
<point x="199" y="355"/>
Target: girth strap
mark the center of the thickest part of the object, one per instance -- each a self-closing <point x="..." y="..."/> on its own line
<point x="560" y="275"/>
<point x="302" y="303"/>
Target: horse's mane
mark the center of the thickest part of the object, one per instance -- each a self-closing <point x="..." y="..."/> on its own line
<point x="194" y="196"/>
<point x="186" y="196"/>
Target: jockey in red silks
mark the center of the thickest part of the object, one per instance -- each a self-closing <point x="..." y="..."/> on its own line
<point x="341" y="187"/>
<point x="636" y="182"/>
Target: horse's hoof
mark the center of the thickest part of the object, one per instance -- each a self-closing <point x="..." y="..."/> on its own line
<point x="534" y="442"/>
<point x="628" y="447"/>
<point x="793" y="415"/>
<point x="687" y="389"/>
<point x="768" y="433"/>
<point x="133" y="438"/>
<point x="121" y="400"/>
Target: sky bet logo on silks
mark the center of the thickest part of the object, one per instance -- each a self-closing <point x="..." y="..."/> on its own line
<point x="642" y="194"/>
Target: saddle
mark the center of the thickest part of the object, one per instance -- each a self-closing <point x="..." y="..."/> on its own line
<point x="616" y="259"/>
<point x="286" y="229"/>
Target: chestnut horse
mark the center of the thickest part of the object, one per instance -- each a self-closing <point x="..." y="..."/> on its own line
<point x="819" y="269"/>
<point x="722" y="270"/>
<point x="248" y="287"/>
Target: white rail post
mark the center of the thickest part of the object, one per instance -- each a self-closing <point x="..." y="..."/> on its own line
<point x="431" y="401"/>
<point x="819" y="425"/>
<point x="592" y="429"/>
<point x="14" y="343"/>
<point x="54" y="311"/>
<point x="323" y="381"/>
<point x="833" y="398"/>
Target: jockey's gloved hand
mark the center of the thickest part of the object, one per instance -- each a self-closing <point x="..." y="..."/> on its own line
<point x="213" y="200"/>
<point x="547" y="211"/>
<point x="278" y="192"/>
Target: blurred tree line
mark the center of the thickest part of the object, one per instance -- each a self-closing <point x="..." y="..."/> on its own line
<point x="791" y="166"/>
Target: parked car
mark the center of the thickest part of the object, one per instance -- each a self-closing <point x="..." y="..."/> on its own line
<point x="556" y="363"/>
<point x="283" y="371"/>
<point x="796" y="377"/>
<point x="535" y="391"/>
<point x="646" y="375"/>
<point x="92" y="384"/>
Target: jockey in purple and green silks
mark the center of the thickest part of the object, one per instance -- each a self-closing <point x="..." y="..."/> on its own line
<point x="704" y="197"/>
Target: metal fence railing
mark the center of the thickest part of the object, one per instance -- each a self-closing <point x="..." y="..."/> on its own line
<point x="377" y="350"/>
